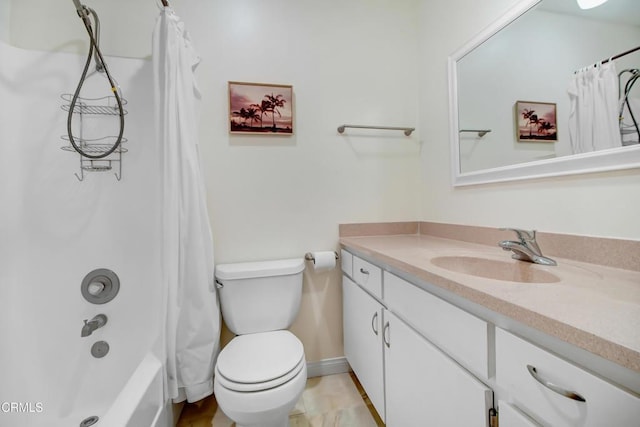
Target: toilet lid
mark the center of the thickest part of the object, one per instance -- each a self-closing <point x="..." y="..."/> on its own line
<point x="260" y="357"/>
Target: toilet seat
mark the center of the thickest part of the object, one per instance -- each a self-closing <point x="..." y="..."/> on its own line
<point x="260" y="361"/>
<point x="253" y="387"/>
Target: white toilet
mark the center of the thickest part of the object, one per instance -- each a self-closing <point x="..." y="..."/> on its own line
<point x="261" y="373"/>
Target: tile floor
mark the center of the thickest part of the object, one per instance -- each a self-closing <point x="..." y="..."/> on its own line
<point x="329" y="401"/>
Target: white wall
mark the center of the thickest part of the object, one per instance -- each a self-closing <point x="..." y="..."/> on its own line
<point x="357" y="61"/>
<point x="271" y="196"/>
<point x="595" y="204"/>
<point x="283" y="196"/>
<point x="5" y="12"/>
<point x="126" y="26"/>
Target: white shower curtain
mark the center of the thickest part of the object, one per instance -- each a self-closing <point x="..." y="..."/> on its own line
<point x="192" y="314"/>
<point x="593" y="114"/>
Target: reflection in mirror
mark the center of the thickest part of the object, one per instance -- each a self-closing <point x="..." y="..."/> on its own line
<point x="543" y="85"/>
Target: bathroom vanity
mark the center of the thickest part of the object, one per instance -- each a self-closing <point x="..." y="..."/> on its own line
<point x="447" y="332"/>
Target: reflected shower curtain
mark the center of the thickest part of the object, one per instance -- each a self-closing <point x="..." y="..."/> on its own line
<point x="192" y="314"/>
<point x="593" y="114"/>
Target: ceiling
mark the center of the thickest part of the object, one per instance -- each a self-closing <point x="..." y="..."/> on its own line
<point x="621" y="11"/>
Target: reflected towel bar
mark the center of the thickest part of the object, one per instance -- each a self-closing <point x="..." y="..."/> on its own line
<point x="309" y="256"/>
<point x="480" y="132"/>
<point x="407" y="131"/>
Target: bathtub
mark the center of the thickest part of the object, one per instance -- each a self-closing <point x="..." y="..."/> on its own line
<point x="140" y="403"/>
<point x="55" y="230"/>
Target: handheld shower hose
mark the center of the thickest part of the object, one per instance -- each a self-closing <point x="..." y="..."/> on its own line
<point x="83" y="13"/>
<point x="635" y="75"/>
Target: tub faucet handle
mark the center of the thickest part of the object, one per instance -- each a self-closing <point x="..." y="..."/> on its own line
<point x="97" y="322"/>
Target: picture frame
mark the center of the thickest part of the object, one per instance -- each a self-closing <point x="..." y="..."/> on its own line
<point x="260" y="108"/>
<point x="536" y="121"/>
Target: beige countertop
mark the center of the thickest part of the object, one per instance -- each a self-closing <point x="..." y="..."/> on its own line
<point x="594" y="307"/>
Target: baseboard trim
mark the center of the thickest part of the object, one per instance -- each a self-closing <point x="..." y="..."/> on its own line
<point x="336" y="365"/>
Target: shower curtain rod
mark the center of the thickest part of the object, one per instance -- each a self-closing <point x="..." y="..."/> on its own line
<point x="620" y="55"/>
<point x="604" y="61"/>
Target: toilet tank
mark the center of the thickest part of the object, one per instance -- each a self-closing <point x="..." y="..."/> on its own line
<point x="260" y="296"/>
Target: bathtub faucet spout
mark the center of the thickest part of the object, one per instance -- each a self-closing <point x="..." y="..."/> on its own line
<point x="97" y="322"/>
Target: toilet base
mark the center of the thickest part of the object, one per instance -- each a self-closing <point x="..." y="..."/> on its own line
<point x="267" y="408"/>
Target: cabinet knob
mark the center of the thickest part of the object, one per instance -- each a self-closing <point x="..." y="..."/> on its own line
<point x="363" y="271"/>
<point x="551" y="386"/>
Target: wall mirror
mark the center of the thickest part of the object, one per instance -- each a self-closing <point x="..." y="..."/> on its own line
<point x="524" y="64"/>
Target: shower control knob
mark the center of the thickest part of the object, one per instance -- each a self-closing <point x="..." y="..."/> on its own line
<point x="95" y="288"/>
<point x="100" y="286"/>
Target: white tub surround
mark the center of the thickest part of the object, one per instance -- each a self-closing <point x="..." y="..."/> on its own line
<point x="56" y="229"/>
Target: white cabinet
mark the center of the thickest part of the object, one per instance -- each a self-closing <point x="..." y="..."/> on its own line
<point x="362" y="317"/>
<point x="409" y="380"/>
<point x="461" y="335"/>
<point x="557" y="393"/>
<point x="419" y="358"/>
<point x="425" y="387"/>
<point x="510" y="416"/>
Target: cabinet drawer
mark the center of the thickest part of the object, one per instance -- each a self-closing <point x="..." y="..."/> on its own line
<point x="368" y="276"/>
<point x="346" y="261"/>
<point x="463" y="336"/>
<point x="518" y="361"/>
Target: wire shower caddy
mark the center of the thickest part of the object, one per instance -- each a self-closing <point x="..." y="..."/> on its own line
<point x="95" y="107"/>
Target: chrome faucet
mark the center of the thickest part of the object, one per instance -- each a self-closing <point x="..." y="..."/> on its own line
<point x="525" y="248"/>
<point x="97" y="322"/>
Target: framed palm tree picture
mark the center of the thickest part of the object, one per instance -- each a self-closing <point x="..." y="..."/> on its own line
<point x="536" y="121"/>
<point x="260" y="108"/>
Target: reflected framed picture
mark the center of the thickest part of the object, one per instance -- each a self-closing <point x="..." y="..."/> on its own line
<point x="260" y="108"/>
<point x="536" y="121"/>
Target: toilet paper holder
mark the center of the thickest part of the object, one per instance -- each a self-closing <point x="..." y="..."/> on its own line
<point x="309" y="256"/>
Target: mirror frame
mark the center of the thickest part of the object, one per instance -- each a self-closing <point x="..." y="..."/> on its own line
<point x="595" y="161"/>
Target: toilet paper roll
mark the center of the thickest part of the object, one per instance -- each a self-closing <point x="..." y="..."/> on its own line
<point x="323" y="261"/>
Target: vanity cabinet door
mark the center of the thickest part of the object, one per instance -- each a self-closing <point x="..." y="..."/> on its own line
<point x="530" y="375"/>
<point x="362" y="319"/>
<point x="424" y="387"/>
<point x="510" y="416"/>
